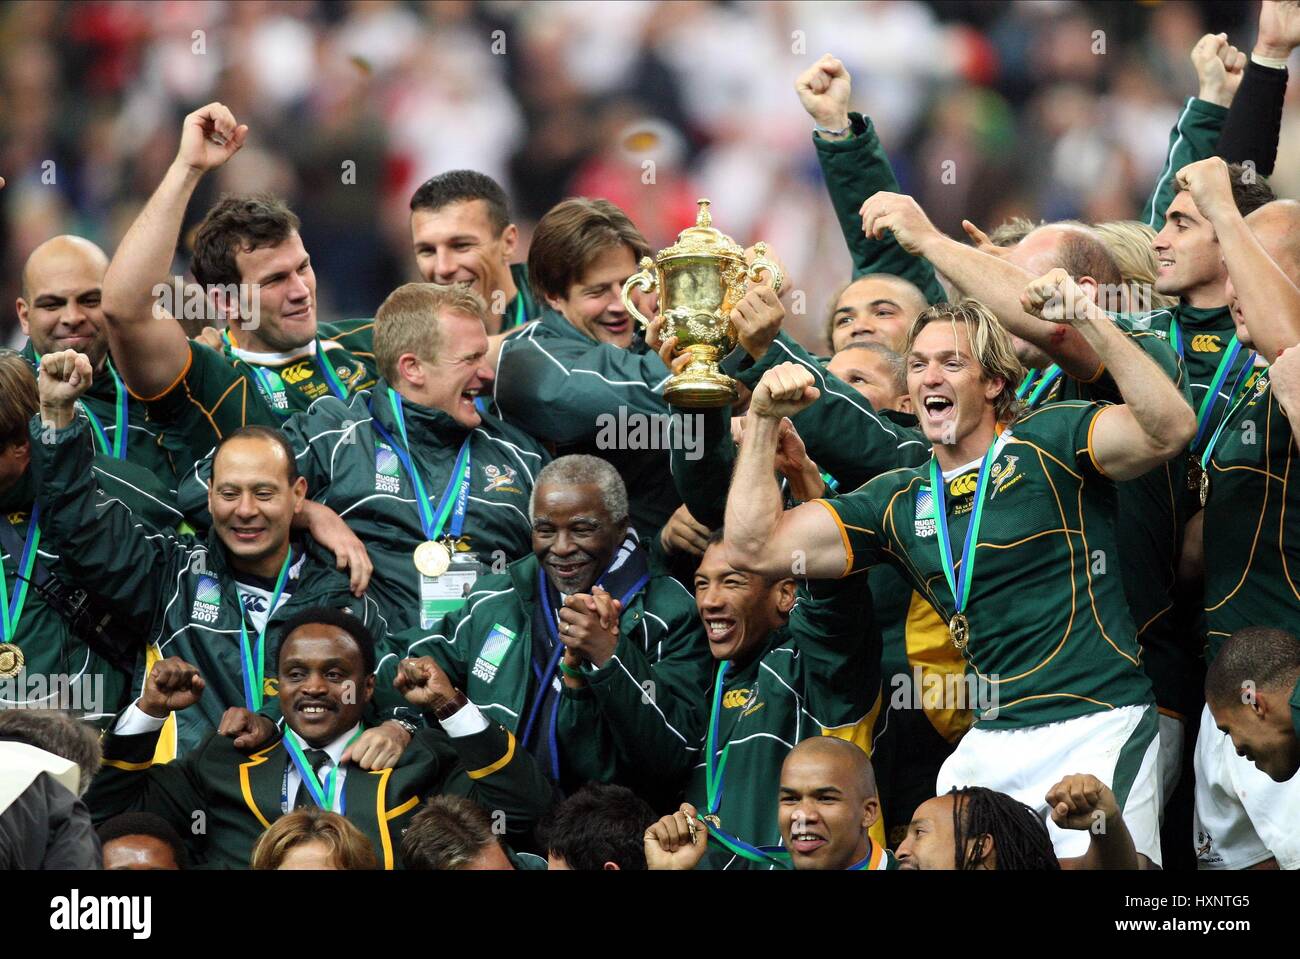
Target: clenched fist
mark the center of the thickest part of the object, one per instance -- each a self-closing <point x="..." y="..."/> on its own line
<point x="824" y="92"/>
<point x="64" y="377"/>
<point x="1055" y="297"/>
<point x="210" y="137"/>
<point x="1210" y="186"/>
<point x="172" y="685"/>
<point x="1219" y="67"/>
<point x="423" y="683"/>
<point x="784" y="390"/>
<point x="676" y="842"/>
<point x="1082" y="801"/>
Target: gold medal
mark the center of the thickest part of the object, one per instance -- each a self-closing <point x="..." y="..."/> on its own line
<point x="432" y="559"/>
<point x="1205" y="486"/>
<point x="1194" y="473"/>
<point x="959" y="630"/>
<point x="713" y="821"/>
<point x="11" y="660"/>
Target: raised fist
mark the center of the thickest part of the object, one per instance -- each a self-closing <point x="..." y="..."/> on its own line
<point x="824" y="92"/>
<point x="784" y="390"/>
<point x="210" y="137"/>
<point x="423" y="683"/>
<point x="65" y="375"/>
<point x="1219" y="68"/>
<point x="1055" y="297"/>
<point x="757" y="318"/>
<point x="1210" y="187"/>
<point x="676" y="842"/>
<point x="1082" y="801"/>
<point x="172" y="685"/>
<point x="1279" y="28"/>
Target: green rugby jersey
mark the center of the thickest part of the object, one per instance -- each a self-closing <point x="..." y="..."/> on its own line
<point x="1050" y="625"/>
<point x="1252" y="520"/>
<point x="1149" y="530"/>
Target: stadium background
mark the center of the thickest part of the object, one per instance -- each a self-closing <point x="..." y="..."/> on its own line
<point x="584" y="93"/>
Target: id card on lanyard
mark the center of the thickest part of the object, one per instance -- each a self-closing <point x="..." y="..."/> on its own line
<point x="447" y="593"/>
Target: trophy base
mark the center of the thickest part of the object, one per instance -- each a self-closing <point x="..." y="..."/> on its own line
<point x="700" y="390"/>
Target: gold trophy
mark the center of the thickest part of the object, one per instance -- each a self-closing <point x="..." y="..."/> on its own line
<point x="700" y="278"/>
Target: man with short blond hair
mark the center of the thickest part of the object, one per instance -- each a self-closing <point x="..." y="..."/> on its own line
<point x="412" y="464"/>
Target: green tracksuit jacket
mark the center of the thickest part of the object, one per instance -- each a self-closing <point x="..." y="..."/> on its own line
<point x="351" y="468"/>
<point x="240" y="794"/>
<point x="100" y="679"/>
<point x="818" y="675"/>
<point x="566" y="389"/>
<point x="639" y="720"/>
<point x="178" y="590"/>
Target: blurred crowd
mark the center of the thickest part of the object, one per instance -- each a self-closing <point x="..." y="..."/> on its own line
<point x="1052" y="109"/>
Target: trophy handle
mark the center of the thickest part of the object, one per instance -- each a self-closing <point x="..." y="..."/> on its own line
<point x="646" y="281"/>
<point x="762" y="263"/>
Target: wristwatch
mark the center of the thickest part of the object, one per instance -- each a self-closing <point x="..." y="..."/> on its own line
<point x="449" y="707"/>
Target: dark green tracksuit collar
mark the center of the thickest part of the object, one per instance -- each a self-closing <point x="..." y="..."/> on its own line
<point x="1193" y="317"/>
<point x="422" y="422"/>
<point x="219" y="562"/>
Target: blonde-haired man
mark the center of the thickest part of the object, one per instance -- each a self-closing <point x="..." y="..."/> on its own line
<point x="436" y="490"/>
<point x="1008" y="531"/>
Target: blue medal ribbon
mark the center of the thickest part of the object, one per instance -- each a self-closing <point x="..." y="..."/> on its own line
<point x="961" y="586"/>
<point x="12" y="610"/>
<point x="323" y="794"/>
<point x="454" y="498"/>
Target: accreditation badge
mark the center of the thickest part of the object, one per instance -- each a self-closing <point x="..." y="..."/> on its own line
<point x="448" y="591"/>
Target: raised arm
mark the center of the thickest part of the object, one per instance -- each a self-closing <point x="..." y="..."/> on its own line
<point x="1154" y="423"/>
<point x="990" y="279"/>
<point x="1269" y="300"/>
<point x="1254" y="123"/>
<point x="1219" y="68"/>
<point x="149" y="346"/>
<point x="855" y="166"/>
<point x="1284" y="374"/>
<point x="760" y="537"/>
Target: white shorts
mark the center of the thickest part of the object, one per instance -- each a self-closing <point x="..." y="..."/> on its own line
<point x="1242" y="816"/>
<point x="1120" y="747"/>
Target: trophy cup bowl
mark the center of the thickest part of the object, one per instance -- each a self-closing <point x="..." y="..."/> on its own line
<point x="700" y="279"/>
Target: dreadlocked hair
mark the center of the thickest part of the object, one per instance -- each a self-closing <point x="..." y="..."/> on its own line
<point x="1019" y="837"/>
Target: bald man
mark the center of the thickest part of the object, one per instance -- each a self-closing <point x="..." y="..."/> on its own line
<point x="60" y="309"/>
<point x="828" y="803"/>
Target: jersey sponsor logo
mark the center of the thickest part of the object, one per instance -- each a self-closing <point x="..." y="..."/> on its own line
<point x="388" y="470"/>
<point x="207" y="600"/>
<point x="1206" y="343"/>
<point x="298" y="372"/>
<point x="500" y="478"/>
<point x="1001" y="475"/>
<point x="1205" y="852"/>
<point x="924" y="525"/>
<point x="963" y="485"/>
<point x="493" y="652"/>
<point x="735" y="698"/>
<point x="17" y="519"/>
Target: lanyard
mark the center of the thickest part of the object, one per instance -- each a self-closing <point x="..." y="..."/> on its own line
<point x="323" y="794"/>
<point x="520" y="316"/>
<point x="254" y="660"/>
<point x="715" y="768"/>
<point x="1176" y="337"/>
<point x="116" y="449"/>
<point x="1050" y="376"/>
<point x="1025" y="384"/>
<point x="1216" y="384"/>
<point x="1227" y="416"/>
<point x="327" y="370"/>
<point x="961" y="588"/>
<point x="12" y="610"/>
<point x="454" y="497"/>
